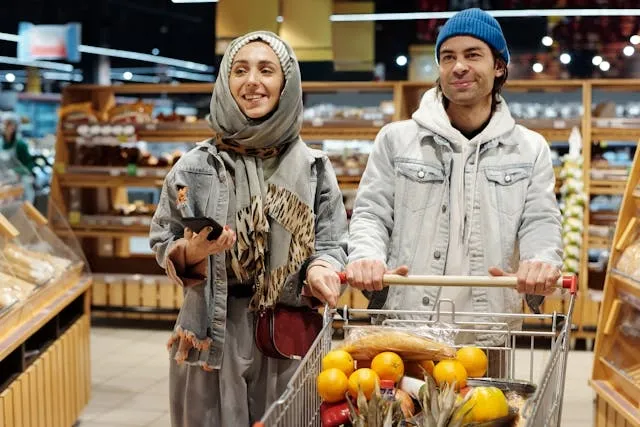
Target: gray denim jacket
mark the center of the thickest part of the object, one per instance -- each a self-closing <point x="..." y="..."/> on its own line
<point x="203" y="172"/>
<point x="401" y="214"/>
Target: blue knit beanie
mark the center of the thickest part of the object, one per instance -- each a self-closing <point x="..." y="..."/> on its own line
<point x="475" y="23"/>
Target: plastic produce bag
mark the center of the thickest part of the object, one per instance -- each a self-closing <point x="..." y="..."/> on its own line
<point x="419" y="343"/>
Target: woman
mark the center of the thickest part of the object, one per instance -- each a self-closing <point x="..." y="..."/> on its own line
<point x="18" y="150"/>
<point x="286" y="224"/>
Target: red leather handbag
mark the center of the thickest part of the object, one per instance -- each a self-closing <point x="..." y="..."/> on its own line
<point x="284" y="332"/>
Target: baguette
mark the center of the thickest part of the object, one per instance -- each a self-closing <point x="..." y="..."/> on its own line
<point x="408" y="346"/>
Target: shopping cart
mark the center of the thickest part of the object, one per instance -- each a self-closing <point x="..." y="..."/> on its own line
<point x="299" y="405"/>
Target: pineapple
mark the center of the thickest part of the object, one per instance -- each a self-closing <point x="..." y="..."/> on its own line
<point x="441" y="408"/>
<point x="377" y="412"/>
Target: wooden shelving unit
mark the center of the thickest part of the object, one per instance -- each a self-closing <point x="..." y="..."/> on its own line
<point x="616" y="370"/>
<point x="45" y="372"/>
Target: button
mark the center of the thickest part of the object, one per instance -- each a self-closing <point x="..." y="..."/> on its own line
<point x="436" y="254"/>
<point x="425" y="300"/>
<point x="507" y="178"/>
<point x="421" y="174"/>
<point x="444" y="208"/>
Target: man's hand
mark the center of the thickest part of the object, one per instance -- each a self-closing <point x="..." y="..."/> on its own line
<point x="198" y="247"/>
<point x="366" y="274"/>
<point x="534" y="277"/>
<point x="323" y="283"/>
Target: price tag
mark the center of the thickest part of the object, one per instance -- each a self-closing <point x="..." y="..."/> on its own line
<point x="317" y="122"/>
<point x="559" y="124"/>
<point x="74" y="217"/>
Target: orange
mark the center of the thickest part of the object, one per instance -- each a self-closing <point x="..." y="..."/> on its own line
<point x="388" y="366"/>
<point x="485" y="404"/>
<point x="428" y="366"/>
<point x="332" y="385"/>
<point x="448" y="371"/>
<point x="364" y="379"/>
<point x="416" y="369"/>
<point x="474" y="361"/>
<point x="339" y="359"/>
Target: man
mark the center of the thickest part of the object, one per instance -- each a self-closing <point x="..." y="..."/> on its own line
<point x="459" y="189"/>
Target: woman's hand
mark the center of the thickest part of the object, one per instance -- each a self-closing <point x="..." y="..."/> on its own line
<point x="198" y="247"/>
<point x="323" y="283"/>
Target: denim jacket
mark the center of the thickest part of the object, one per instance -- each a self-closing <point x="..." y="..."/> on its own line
<point x="204" y="173"/>
<point x="401" y="214"/>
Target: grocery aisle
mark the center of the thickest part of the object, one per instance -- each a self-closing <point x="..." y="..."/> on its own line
<point x="130" y="381"/>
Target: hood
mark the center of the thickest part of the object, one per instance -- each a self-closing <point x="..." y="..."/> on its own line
<point x="432" y="116"/>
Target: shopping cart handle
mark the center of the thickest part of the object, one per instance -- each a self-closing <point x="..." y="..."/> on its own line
<point x="566" y="282"/>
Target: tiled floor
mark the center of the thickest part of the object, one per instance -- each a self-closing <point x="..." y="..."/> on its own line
<point x="130" y="380"/>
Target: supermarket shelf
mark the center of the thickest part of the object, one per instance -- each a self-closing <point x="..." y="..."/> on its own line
<point x="620" y="134"/>
<point x="81" y="231"/>
<point x="611" y="395"/>
<point x="599" y="242"/>
<point x="86" y="230"/>
<point x="626" y="281"/>
<point x="318" y="87"/>
<point x="310" y="133"/>
<point x="600" y="187"/>
<point x="82" y="180"/>
<point x="38" y="310"/>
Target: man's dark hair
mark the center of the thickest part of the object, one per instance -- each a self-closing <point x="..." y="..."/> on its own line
<point x="498" y="82"/>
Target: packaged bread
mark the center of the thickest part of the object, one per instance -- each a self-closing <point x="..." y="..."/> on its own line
<point x="79" y="113"/>
<point x="27" y="265"/>
<point x="20" y="288"/>
<point x="366" y="343"/>
<point x="138" y="112"/>
<point x="8" y="297"/>
<point x="629" y="262"/>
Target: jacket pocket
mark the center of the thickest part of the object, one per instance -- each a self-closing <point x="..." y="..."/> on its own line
<point x="419" y="184"/>
<point x="508" y="187"/>
<point x="194" y="191"/>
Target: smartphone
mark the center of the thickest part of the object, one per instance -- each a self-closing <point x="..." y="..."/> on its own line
<point x="196" y="224"/>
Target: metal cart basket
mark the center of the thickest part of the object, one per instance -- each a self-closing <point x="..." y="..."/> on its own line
<point x="299" y="405"/>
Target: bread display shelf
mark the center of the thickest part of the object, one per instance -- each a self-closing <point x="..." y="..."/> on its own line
<point x="616" y="368"/>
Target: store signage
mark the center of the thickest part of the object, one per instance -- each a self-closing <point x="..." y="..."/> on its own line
<point x="60" y="42"/>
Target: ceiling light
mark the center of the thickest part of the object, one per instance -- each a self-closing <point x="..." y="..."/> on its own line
<point x="565" y="58"/>
<point x="629" y="50"/>
<point x="127" y="75"/>
<point x="116" y="53"/>
<point x="547" y="41"/>
<point x="597" y="60"/>
<point x="635" y="39"/>
<point x="605" y="66"/>
<point x="19" y="87"/>
<point x="401" y="60"/>
<point x="38" y="64"/>
<point x="524" y="13"/>
<point x="537" y="67"/>
<point x="155" y="51"/>
<point x="280" y="19"/>
<point x="10" y="77"/>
